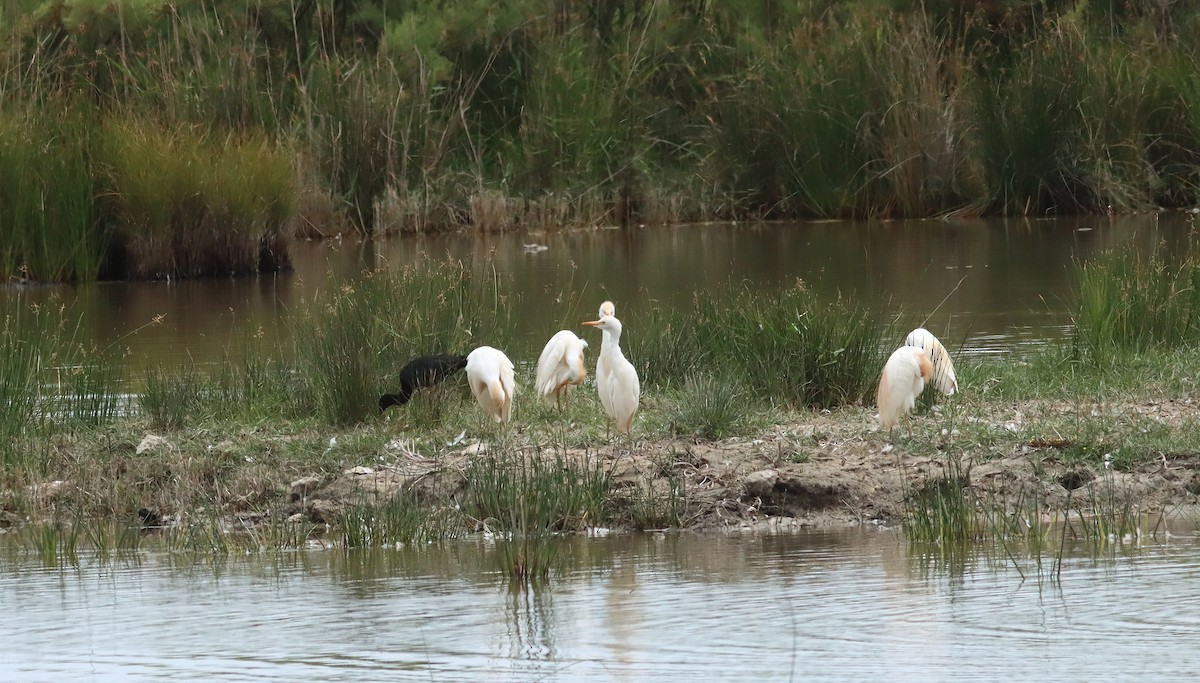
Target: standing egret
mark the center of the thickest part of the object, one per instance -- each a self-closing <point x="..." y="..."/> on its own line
<point x="490" y="373"/>
<point x="561" y="365"/>
<point x="616" y="378"/>
<point x="943" y="368"/>
<point x="903" y="378"/>
<point x="606" y="308"/>
<point x="423" y="371"/>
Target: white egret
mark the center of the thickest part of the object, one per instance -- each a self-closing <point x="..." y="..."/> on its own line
<point x="490" y="373"/>
<point x="561" y="365"/>
<point x="606" y="308"/>
<point x="616" y="378"/>
<point x="903" y="379"/>
<point x="943" y="368"/>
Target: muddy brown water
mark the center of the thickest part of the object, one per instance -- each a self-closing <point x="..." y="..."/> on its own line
<point x="821" y="605"/>
<point x="984" y="286"/>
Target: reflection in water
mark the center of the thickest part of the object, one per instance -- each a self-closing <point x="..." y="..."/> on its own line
<point x="844" y="605"/>
<point x="982" y="286"/>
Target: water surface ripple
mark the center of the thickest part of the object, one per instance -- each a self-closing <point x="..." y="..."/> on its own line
<point x="838" y="605"/>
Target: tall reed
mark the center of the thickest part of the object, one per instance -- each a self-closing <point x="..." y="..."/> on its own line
<point x="712" y="406"/>
<point x="48" y="226"/>
<point x="1131" y="303"/>
<point x="401" y="519"/>
<point x="797" y="347"/>
<point x="24" y="351"/>
<point x="171" y="397"/>
<point x="413" y="116"/>
<point x="89" y="386"/>
<point x="51" y="380"/>
<point x="351" y="343"/>
<point x="183" y="204"/>
<point x="531" y="493"/>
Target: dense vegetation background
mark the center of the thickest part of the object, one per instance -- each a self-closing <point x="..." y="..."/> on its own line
<point x="146" y="138"/>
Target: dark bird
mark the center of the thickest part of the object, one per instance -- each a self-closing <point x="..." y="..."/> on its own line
<point x="423" y="371"/>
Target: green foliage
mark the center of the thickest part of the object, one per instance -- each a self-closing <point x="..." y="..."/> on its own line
<point x="351" y="343"/>
<point x="531" y="493"/>
<point x="712" y="407"/>
<point x="48" y="228"/>
<point x="1129" y="303"/>
<point x="400" y="519"/>
<point x="797" y="347"/>
<point x="415" y="116"/>
<point x="171" y="397"/>
<point x="182" y="204"/>
<point x="941" y="513"/>
<point x="24" y="351"/>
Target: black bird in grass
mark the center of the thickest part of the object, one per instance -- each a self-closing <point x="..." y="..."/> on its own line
<point x="423" y="371"/>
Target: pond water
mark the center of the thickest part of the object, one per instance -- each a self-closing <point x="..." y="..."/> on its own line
<point x="828" y="605"/>
<point x="984" y="286"/>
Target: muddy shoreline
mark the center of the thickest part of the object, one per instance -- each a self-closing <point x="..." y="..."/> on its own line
<point x="830" y="469"/>
<point x="819" y="469"/>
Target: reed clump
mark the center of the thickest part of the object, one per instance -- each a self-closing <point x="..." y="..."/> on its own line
<point x="941" y="513"/>
<point x="184" y="205"/>
<point x="712" y="407"/>
<point x="528" y="500"/>
<point x="352" y="342"/>
<point x="519" y="493"/>
<point x="48" y="219"/>
<point x="658" y="506"/>
<point x="401" y="519"/>
<point x="797" y="348"/>
<point x="421" y="116"/>
<point x="1130" y="303"/>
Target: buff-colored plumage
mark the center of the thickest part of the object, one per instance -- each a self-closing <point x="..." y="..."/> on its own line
<point x="943" y="368"/>
<point x="903" y="379"/>
<point x="616" y="378"/>
<point x="561" y="365"/>
<point x="490" y="373"/>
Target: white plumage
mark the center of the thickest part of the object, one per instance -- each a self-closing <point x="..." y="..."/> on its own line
<point x="606" y="308"/>
<point x="943" y="368"/>
<point x="490" y="373"/>
<point x="903" y="379"/>
<point x="561" y="365"/>
<point x="616" y="378"/>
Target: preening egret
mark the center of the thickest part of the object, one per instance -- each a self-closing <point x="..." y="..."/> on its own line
<point x="607" y="308"/>
<point x="423" y="371"/>
<point x="561" y="365"/>
<point x="943" y="369"/>
<point x="904" y="376"/>
<point x="490" y="373"/>
<point x="616" y="378"/>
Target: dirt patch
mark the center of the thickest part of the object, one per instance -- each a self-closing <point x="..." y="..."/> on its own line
<point x="821" y="469"/>
<point x="831" y="469"/>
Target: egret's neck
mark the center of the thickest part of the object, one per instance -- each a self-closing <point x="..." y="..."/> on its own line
<point x="611" y="340"/>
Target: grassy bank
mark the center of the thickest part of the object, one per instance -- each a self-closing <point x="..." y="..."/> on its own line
<point x="156" y="139"/>
<point x="770" y="420"/>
